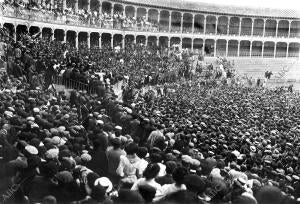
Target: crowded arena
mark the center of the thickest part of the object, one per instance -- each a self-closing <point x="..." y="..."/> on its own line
<point x="90" y="118"/>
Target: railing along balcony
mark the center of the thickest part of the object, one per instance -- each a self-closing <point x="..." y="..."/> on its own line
<point x="244" y="54"/>
<point x="163" y="28"/>
<point x="246" y="32"/>
<point x="232" y="54"/>
<point x="294" y="34"/>
<point x="270" y="34"/>
<point x="49" y="16"/>
<point x="198" y="30"/>
<point x="175" y="29"/>
<point x="258" y="32"/>
<point x="187" y="30"/>
<point x="221" y="53"/>
<point x="256" y="54"/>
<point x="282" y="34"/>
<point x="281" y="54"/>
<point x="268" y="54"/>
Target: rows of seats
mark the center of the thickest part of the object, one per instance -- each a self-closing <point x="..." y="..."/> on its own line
<point x="256" y="67"/>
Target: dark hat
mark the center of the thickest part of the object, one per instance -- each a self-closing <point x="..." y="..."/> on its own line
<point x="116" y="141"/>
<point x="64" y="177"/>
<point x="195" y="183"/>
<point x="269" y="194"/>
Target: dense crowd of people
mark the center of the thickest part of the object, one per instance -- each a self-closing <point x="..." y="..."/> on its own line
<point x="190" y="143"/>
<point x="136" y="64"/>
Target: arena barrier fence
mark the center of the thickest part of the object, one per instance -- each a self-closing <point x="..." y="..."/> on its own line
<point x="72" y="84"/>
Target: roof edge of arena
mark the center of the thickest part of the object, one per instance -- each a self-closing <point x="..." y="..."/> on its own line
<point x="210" y="8"/>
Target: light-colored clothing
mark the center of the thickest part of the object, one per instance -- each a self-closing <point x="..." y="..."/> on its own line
<point x="143" y="181"/>
<point x="141" y="166"/>
<point x="162" y="170"/>
<point x="127" y="168"/>
<point x="167" y="190"/>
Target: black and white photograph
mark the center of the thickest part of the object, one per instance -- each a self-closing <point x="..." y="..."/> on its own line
<point x="149" y="102"/>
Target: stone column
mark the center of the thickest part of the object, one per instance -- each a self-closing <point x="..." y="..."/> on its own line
<point x="192" y="45"/>
<point x="216" y="28"/>
<point x="275" y="49"/>
<point x="287" y="50"/>
<point x="203" y="47"/>
<point x="193" y="24"/>
<point x="204" y="24"/>
<point x="134" y="39"/>
<point x="262" y="49"/>
<point x="157" y="41"/>
<point x="100" y="6"/>
<point x="112" y="41"/>
<point x="124" y="8"/>
<point x="181" y="43"/>
<point x="146" y="40"/>
<point x="170" y="22"/>
<point x="65" y="36"/>
<point x="215" y="48"/>
<point x="289" y="33"/>
<point x="181" y="25"/>
<point x="88" y="5"/>
<point x="147" y="14"/>
<point x="252" y="26"/>
<point x="240" y="27"/>
<point x="250" y="48"/>
<point x="264" y="32"/>
<point x="228" y="24"/>
<point x="158" y="18"/>
<point x="112" y="9"/>
<point x="88" y="40"/>
<point x="169" y="43"/>
<point x="100" y="40"/>
<point x="64" y="6"/>
<point x="53" y="32"/>
<point x="238" y="54"/>
<point x="276" y="28"/>
<point x="226" y="53"/>
<point x="76" y="6"/>
<point x="135" y="12"/>
<point x="15" y="33"/>
<point x="76" y="40"/>
<point x="123" y="41"/>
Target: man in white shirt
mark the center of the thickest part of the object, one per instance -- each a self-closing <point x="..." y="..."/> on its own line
<point x="142" y="164"/>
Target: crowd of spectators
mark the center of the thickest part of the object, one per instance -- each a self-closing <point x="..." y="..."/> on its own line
<point x="83" y="16"/>
<point x="192" y="143"/>
<point x="138" y="64"/>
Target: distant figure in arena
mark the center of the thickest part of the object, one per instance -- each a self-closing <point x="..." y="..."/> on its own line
<point x="290" y="88"/>
<point x="268" y="74"/>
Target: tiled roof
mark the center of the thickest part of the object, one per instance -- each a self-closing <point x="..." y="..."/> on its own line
<point x="214" y="8"/>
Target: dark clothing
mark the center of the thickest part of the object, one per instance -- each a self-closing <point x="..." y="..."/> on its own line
<point x="99" y="163"/>
<point x="167" y="179"/>
<point x="38" y="188"/>
<point x="113" y="157"/>
<point x="183" y="197"/>
<point x="66" y="192"/>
